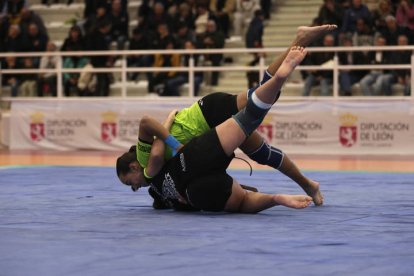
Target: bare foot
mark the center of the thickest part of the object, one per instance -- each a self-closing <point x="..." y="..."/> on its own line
<point x="293" y="58"/>
<point x="306" y="35"/>
<point x="293" y="201"/>
<point x="314" y="192"/>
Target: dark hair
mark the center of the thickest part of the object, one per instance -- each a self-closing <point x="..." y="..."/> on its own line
<point x="122" y="163"/>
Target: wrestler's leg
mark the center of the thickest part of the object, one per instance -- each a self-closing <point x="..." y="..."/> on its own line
<point x="304" y="37"/>
<point x="258" y="150"/>
<point x="231" y="131"/>
<point x="250" y="202"/>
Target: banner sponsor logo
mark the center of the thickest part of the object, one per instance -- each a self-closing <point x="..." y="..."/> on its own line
<point x="348" y="130"/>
<point x="297" y="132"/>
<point x="37" y="127"/>
<point x="109" y="126"/>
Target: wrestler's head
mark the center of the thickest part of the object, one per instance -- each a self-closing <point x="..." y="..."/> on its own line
<point x="129" y="171"/>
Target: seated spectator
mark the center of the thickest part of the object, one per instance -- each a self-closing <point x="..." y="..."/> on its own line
<point x="75" y="40"/>
<point x="392" y="30"/>
<point x="364" y="34"/>
<point x="14" y="40"/>
<point x="71" y="80"/>
<point x="349" y="77"/>
<point x="156" y="16"/>
<point x="95" y="19"/>
<point x="222" y="12"/>
<point x="47" y="81"/>
<point x="120" y="24"/>
<point x="372" y="84"/>
<point x="201" y="20"/>
<point x="183" y="34"/>
<point x="323" y="77"/>
<point x="402" y="77"/>
<point x="28" y="17"/>
<point x="243" y="15"/>
<point x="97" y="41"/>
<point x="28" y="84"/>
<point x="379" y="14"/>
<point x="173" y="84"/>
<point x="36" y="41"/>
<point x="405" y="17"/>
<point x="11" y="80"/>
<point x="184" y="17"/>
<point x="162" y="37"/>
<point x="357" y="10"/>
<point x="213" y="39"/>
<point x="331" y="12"/>
<point x="165" y="60"/>
<point x="140" y="40"/>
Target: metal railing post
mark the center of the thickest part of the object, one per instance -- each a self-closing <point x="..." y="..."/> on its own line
<point x="191" y="76"/>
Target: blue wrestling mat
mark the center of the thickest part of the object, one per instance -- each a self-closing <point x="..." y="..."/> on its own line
<point x="82" y="221"/>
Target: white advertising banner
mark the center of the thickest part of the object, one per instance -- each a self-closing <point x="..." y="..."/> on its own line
<point x="328" y="127"/>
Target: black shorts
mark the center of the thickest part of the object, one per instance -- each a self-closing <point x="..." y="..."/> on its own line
<point x="218" y="107"/>
<point x="208" y="186"/>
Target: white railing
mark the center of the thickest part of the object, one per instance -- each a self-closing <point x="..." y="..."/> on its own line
<point x="191" y="69"/>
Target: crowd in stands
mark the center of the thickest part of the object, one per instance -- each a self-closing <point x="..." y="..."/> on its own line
<point x="388" y="23"/>
<point x="203" y="24"/>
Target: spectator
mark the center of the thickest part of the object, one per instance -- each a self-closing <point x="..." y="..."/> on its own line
<point x="156" y="16"/>
<point x="36" y="40"/>
<point x="331" y="13"/>
<point x="97" y="41"/>
<point x="120" y="24"/>
<point x="254" y="35"/>
<point x="47" y="81"/>
<point x="364" y="34"/>
<point x="323" y="77"/>
<point x="95" y="19"/>
<point x="266" y="8"/>
<point x="243" y="15"/>
<point x="173" y="84"/>
<point x="14" y="40"/>
<point x="140" y="40"/>
<point x="402" y="77"/>
<point x="165" y="60"/>
<point x="349" y="77"/>
<point x="11" y="80"/>
<point x="70" y="80"/>
<point x="372" y="83"/>
<point x="392" y="30"/>
<point x="184" y="17"/>
<point x="222" y="11"/>
<point x="183" y="34"/>
<point x="202" y="18"/>
<point x="163" y="36"/>
<point x="356" y="11"/>
<point x="405" y="17"/>
<point x="92" y="5"/>
<point x="75" y="40"/>
<point x="28" y="17"/>
<point x="28" y="85"/>
<point x="378" y="15"/>
<point x="213" y="39"/>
